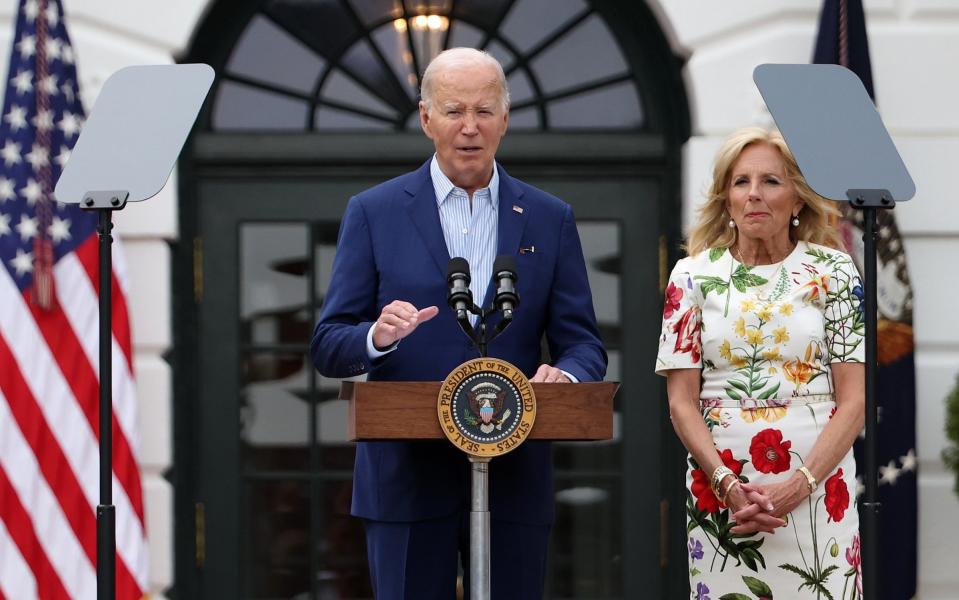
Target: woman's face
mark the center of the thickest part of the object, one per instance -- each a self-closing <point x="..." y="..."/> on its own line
<point x="762" y="200"/>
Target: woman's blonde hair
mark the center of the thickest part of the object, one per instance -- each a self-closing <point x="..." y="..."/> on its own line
<point x="817" y="218"/>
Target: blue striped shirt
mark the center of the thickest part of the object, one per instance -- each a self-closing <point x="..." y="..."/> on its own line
<point x="470" y="232"/>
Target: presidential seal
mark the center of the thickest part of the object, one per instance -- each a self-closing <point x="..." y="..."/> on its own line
<point x="486" y="407"/>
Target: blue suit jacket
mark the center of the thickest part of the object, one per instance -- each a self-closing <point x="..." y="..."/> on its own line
<point x="391" y="247"/>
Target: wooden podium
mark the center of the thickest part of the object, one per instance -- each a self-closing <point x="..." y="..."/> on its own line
<point x="406" y="410"/>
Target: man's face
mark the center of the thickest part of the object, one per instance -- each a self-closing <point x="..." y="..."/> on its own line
<point x="466" y="123"/>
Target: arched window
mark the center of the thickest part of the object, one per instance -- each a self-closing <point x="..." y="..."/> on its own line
<point x="355" y="64"/>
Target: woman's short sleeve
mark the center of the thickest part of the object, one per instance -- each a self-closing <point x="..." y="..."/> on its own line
<point x="844" y="314"/>
<point x="680" y="346"/>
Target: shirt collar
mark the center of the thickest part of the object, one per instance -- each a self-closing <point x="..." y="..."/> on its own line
<point x="443" y="187"/>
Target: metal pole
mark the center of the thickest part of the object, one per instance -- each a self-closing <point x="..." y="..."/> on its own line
<point x="870" y="544"/>
<point x="106" y="516"/>
<point x="479" y="530"/>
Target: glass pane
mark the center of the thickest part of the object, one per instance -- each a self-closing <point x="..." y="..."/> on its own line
<point x="242" y="107"/>
<point x="621" y="109"/>
<point x="273" y="283"/>
<point x="277" y="553"/>
<point x="340" y="88"/>
<point x="328" y="118"/>
<point x="530" y="21"/>
<point x="373" y="12"/>
<point x="464" y="35"/>
<point x="500" y="53"/>
<point x="341" y="547"/>
<point x="367" y="67"/>
<point x="520" y="89"/>
<point x="587" y="53"/>
<point x="321" y="24"/>
<point x="275" y="411"/>
<point x="263" y="46"/>
<point x="394" y="44"/>
<point x="587" y="559"/>
<point x="601" y="248"/>
<point x="524" y="118"/>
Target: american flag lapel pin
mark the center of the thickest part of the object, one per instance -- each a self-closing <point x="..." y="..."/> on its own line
<point x="518" y="209"/>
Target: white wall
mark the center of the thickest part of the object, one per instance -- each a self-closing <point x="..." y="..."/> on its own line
<point x="914" y="47"/>
<point x="915" y="50"/>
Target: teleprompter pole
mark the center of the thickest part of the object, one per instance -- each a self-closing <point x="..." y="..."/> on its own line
<point x="106" y="512"/>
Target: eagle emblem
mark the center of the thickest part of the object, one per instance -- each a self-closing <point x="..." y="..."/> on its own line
<point x="486" y="402"/>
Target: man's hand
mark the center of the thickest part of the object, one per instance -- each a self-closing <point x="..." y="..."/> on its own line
<point x="397" y="321"/>
<point x="548" y="374"/>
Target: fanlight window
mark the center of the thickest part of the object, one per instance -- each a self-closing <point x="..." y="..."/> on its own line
<point x="355" y="64"/>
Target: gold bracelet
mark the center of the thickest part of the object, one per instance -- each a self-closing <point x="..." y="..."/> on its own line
<point x="720" y="473"/>
<point x="728" y="489"/>
<point x="811" y="482"/>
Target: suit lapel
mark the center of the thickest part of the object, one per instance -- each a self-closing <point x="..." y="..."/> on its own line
<point x="510" y="222"/>
<point x="421" y="207"/>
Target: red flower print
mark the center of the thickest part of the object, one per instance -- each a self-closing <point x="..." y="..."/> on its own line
<point x="837" y="496"/>
<point x="706" y="500"/>
<point x="769" y="452"/>
<point x="687" y="333"/>
<point x="673" y="296"/>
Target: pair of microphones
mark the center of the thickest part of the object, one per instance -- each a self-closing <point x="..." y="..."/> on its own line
<point x="460" y="298"/>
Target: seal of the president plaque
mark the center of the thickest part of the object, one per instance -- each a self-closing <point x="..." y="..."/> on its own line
<point x="486" y="407"/>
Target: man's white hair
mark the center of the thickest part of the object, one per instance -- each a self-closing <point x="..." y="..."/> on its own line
<point x="459" y="57"/>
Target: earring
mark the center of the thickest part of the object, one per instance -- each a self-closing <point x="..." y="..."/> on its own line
<point x="795" y="221"/>
<point x="732" y="224"/>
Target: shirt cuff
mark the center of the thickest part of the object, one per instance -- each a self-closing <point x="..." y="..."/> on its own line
<point x="371" y="350"/>
<point x="570" y="376"/>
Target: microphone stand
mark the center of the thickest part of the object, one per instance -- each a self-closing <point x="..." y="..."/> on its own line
<point x="479" y="467"/>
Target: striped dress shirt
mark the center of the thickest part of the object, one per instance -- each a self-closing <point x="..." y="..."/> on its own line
<point x="470" y="232"/>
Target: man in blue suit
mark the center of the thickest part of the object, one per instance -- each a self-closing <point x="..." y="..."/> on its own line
<point x="381" y="317"/>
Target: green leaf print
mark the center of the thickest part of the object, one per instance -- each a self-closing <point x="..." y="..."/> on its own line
<point x="716" y="253"/>
<point x="711" y="283"/>
<point x="743" y="278"/>
<point x="770" y="392"/>
<point x="758" y="587"/>
<point x="734" y="597"/>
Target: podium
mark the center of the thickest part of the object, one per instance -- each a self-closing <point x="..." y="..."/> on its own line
<point x="406" y="410"/>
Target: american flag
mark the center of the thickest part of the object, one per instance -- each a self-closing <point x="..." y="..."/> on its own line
<point x="49" y="469"/>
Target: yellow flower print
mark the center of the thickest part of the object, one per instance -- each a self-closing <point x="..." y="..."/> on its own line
<point x="754" y="337"/>
<point x="786" y="309"/>
<point x="780" y="335"/>
<point x="772" y="371"/>
<point x="738" y="362"/>
<point x="770" y="414"/>
<point x="798" y="371"/>
<point x="724" y="350"/>
<point x="747" y="306"/>
<point x="772" y="354"/>
<point x="740" y="327"/>
<point x="765" y="313"/>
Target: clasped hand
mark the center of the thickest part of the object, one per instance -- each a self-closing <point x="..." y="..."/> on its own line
<point x="762" y="508"/>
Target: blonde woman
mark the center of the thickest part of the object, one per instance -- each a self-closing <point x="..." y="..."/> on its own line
<point x="762" y="346"/>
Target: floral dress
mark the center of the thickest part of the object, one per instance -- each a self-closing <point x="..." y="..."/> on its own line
<point x="764" y="337"/>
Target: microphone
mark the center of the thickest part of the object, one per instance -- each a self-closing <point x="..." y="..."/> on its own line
<point x="505" y="278"/>
<point x="460" y="297"/>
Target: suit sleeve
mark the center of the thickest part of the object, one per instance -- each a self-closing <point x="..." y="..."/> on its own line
<point x="571" y="329"/>
<point x="338" y="347"/>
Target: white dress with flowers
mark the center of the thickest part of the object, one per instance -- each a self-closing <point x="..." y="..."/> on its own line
<point x="765" y="337"/>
